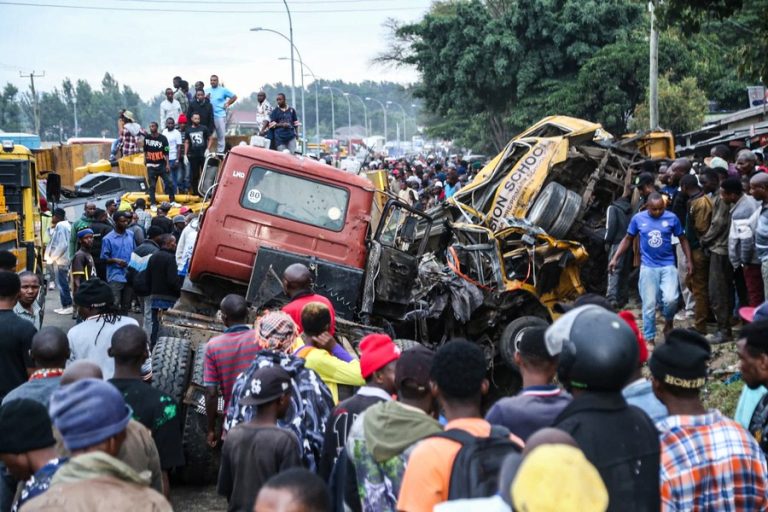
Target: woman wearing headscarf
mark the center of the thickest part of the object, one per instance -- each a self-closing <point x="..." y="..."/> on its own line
<point x="311" y="400"/>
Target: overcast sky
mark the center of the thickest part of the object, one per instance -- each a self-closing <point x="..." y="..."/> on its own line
<point x="144" y="49"/>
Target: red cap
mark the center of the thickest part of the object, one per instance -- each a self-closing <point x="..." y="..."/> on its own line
<point x="182" y="119"/>
<point x="376" y="351"/>
<point x="629" y="317"/>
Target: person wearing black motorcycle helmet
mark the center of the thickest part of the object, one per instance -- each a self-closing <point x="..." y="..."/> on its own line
<point x="598" y="353"/>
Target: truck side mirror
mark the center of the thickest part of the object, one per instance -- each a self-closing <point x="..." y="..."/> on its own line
<point x="53" y="188"/>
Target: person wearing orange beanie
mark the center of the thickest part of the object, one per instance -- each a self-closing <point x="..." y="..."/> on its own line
<point x="378" y="360"/>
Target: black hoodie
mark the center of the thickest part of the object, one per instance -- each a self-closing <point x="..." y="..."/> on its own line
<point x="205" y="109"/>
<point x="617" y="219"/>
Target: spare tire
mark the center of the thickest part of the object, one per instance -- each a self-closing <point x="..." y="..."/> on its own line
<point x="171" y="363"/>
<point x="567" y="215"/>
<point x="547" y="206"/>
<point x="512" y="333"/>
<point x="201" y="461"/>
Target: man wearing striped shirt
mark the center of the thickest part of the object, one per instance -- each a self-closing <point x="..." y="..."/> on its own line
<point x="226" y="357"/>
<point x="708" y="462"/>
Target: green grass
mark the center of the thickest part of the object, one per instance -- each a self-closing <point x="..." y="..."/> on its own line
<point x="721" y="396"/>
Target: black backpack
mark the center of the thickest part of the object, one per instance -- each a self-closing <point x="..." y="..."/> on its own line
<point x="475" y="471"/>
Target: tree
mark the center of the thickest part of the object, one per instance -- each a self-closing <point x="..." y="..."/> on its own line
<point x="737" y="22"/>
<point x="510" y="61"/>
<point x="10" y="113"/>
<point x="682" y="106"/>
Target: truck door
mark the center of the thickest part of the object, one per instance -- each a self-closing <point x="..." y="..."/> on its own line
<point x="393" y="260"/>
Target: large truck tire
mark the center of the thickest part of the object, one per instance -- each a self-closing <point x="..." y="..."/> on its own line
<point x="511" y="336"/>
<point x="201" y="461"/>
<point x="567" y="216"/>
<point x="547" y="207"/>
<point x="171" y="362"/>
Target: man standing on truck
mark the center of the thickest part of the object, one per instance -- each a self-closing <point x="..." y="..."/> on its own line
<point x="297" y="284"/>
<point x="285" y="123"/>
<point x="175" y="158"/>
<point x="129" y="137"/>
<point x="170" y="106"/>
<point x="201" y="105"/>
<point x="221" y="99"/>
<point x="156" y="152"/>
<point x="263" y="112"/>
<point x="195" y="144"/>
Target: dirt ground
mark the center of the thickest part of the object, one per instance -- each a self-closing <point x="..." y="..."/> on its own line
<point x="197" y="499"/>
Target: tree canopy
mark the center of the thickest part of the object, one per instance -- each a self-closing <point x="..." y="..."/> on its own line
<point x="490" y="68"/>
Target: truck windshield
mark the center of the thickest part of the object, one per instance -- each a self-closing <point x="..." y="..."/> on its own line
<point x="295" y="198"/>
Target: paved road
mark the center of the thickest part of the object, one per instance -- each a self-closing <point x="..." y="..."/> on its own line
<point x="184" y="498"/>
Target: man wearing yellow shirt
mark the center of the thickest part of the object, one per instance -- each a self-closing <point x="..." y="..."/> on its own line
<point x="315" y="345"/>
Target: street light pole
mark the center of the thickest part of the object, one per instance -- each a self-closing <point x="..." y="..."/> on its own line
<point x="365" y="111"/>
<point x="293" y="73"/>
<point x="653" y="78"/>
<point x="405" y="121"/>
<point x="383" y="109"/>
<point x="333" y="113"/>
<point x="317" y="108"/>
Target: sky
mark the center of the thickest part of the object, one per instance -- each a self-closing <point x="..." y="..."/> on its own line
<point x="144" y="49"/>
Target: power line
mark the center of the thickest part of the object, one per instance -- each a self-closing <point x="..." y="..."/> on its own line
<point x="206" y="11"/>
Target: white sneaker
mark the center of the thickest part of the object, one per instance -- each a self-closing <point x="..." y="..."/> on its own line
<point x="153" y="207"/>
<point x="51" y="285"/>
<point x="64" y="311"/>
<point x="176" y="205"/>
<point x="680" y="316"/>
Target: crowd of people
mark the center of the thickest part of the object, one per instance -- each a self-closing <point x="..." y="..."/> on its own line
<point x="601" y="423"/>
<point x="115" y="245"/>
<point x="700" y="239"/>
<point x="608" y="418"/>
<point x="195" y="123"/>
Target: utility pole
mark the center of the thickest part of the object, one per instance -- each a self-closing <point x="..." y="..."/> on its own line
<point x="35" y="104"/>
<point x="653" y="85"/>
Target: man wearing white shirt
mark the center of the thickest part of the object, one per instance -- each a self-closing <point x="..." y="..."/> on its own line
<point x="174" y="142"/>
<point x="169" y="107"/>
<point x="263" y="111"/>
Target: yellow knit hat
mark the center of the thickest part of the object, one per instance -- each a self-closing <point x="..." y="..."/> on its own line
<point x="558" y="478"/>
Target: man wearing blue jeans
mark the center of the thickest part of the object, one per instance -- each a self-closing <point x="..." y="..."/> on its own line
<point x="658" y="272"/>
<point x="221" y="99"/>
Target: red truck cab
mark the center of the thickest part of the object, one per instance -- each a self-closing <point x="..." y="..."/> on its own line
<point x="270" y="209"/>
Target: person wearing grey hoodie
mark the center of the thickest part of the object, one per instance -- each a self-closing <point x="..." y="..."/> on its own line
<point x="383" y="436"/>
<point x="741" y="237"/>
<point x="758" y="187"/>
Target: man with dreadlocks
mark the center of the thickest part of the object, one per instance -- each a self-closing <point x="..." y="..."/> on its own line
<point x="90" y="340"/>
